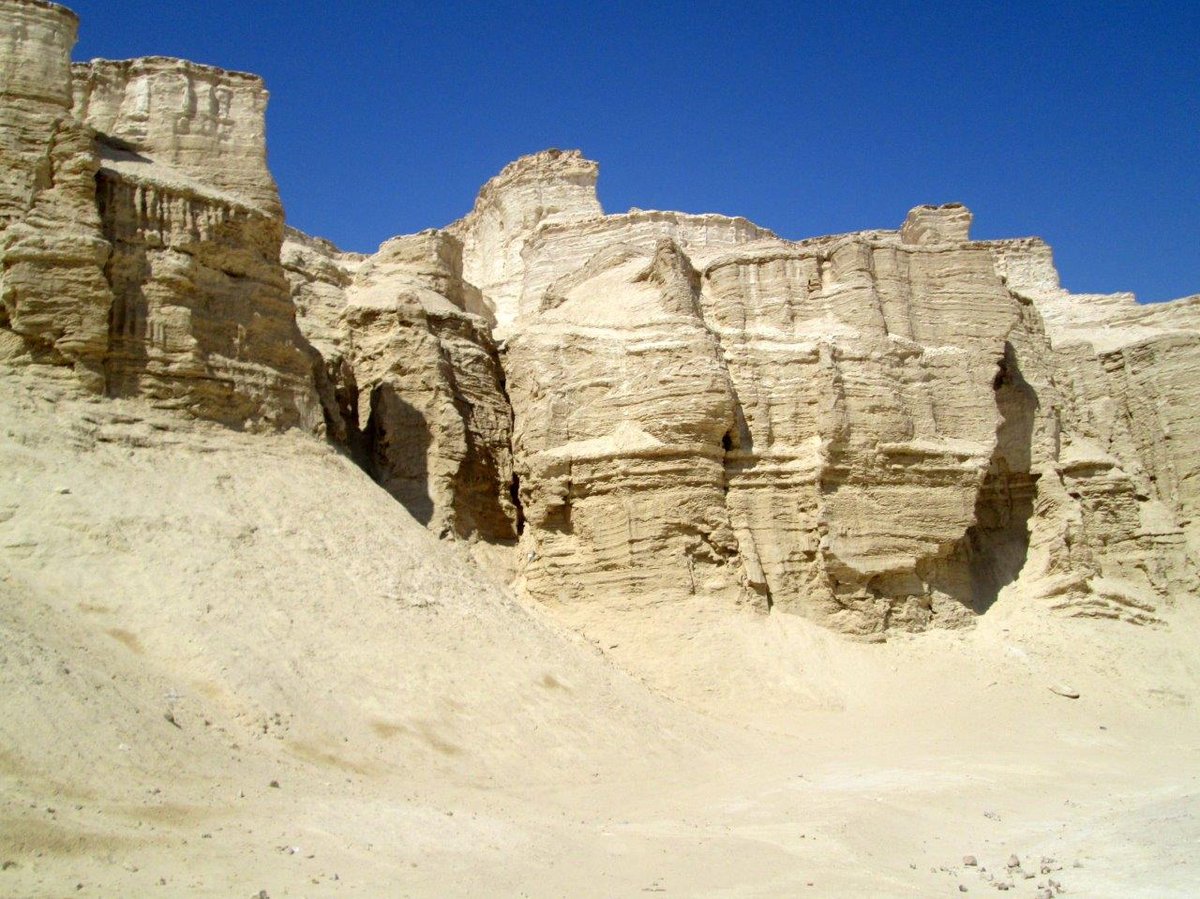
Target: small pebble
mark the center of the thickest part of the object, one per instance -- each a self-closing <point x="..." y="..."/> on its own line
<point x="970" y="861"/>
<point x="1064" y="690"/>
<point x="1014" y="862"/>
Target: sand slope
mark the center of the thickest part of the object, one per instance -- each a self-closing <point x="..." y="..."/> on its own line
<point x="190" y="614"/>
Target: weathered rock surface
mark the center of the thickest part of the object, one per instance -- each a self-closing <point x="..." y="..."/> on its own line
<point x="417" y="378"/>
<point x="548" y="187"/>
<point x="878" y="430"/>
<point x="868" y="429"/>
<point x="54" y="299"/>
<point x="140" y="230"/>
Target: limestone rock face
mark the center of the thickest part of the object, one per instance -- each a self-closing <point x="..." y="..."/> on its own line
<point x="551" y="186"/>
<point x="415" y="374"/>
<point x="205" y="123"/>
<point x="1130" y="379"/>
<point x="890" y="429"/>
<point x="54" y="299"/>
<point x="873" y="430"/>
<point x="807" y="427"/>
<point x="140" y="230"/>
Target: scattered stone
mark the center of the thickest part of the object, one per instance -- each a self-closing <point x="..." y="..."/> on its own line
<point x="1014" y="862"/>
<point x="970" y="861"/>
<point x="274" y="784"/>
<point x="1063" y="690"/>
<point x="962" y="888"/>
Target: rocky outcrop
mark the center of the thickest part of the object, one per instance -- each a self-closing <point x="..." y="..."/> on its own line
<point x="141" y="231"/>
<point x="873" y="430"/>
<point x="417" y="381"/>
<point x="54" y="299"/>
<point x="206" y="124"/>
<point x="1129" y="375"/>
<point x="552" y="186"/>
<point x="890" y="429"/>
<point x="808" y="427"/>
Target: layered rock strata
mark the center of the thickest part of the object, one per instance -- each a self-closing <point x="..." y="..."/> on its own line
<point x="890" y="429"/>
<point x="54" y="299"/>
<point x="416" y="376"/>
<point x="871" y="429"/>
<point x="141" y="230"/>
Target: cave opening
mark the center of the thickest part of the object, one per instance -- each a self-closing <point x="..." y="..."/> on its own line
<point x="997" y="545"/>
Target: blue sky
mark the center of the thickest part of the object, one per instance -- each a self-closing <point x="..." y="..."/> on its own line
<point x="1078" y="122"/>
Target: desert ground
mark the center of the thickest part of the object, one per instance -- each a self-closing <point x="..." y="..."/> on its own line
<point x="234" y="666"/>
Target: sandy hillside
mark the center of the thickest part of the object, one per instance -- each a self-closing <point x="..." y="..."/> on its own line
<point x="191" y="615"/>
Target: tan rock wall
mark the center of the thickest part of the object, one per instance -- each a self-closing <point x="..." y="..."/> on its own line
<point x="146" y="257"/>
<point x="205" y="123"/>
<point x="551" y="186"/>
<point x="415" y="376"/>
<point x="53" y="297"/>
<point x="891" y="429"/>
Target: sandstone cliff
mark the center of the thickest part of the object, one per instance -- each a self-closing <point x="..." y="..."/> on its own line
<point x="890" y="429"/>
<point x="140" y="230"/>
<point x="871" y="429"/>
<point x="415" y="375"/>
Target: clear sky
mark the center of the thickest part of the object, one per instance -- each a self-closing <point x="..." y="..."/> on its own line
<point x="1078" y="122"/>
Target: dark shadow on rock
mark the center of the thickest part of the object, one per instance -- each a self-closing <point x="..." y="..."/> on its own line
<point x="998" y="543"/>
<point x="397" y="445"/>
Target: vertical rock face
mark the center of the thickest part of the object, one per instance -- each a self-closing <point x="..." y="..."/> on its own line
<point x="620" y="412"/>
<point x="140" y="230"/>
<point x="1130" y="378"/>
<point x="547" y="187"/>
<point x="804" y="426"/>
<point x="54" y="299"/>
<point x="873" y="430"/>
<point x="890" y="429"/>
<point x="416" y="376"/>
<point x="866" y="373"/>
<point x="205" y="123"/>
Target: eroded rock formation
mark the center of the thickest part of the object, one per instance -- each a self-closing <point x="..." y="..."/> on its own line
<point x="871" y="429"/>
<point x="417" y="378"/>
<point x="890" y="429"/>
<point x="140" y="233"/>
